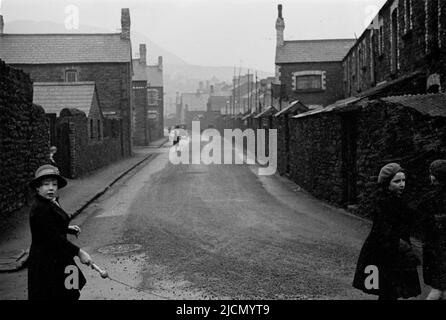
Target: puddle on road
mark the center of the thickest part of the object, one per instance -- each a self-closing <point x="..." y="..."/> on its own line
<point x="119" y="248"/>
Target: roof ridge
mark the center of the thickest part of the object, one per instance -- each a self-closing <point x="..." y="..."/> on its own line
<point x="60" y="34"/>
<point x="314" y="40"/>
<point x="77" y="83"/>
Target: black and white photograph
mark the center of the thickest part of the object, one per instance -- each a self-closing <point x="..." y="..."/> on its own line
<point x="239" y="152"/>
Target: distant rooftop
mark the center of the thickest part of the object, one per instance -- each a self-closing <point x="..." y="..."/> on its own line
<point x="55" y="96"/>
<point x="301" y="51"/>
<point x="152" y="74"/>
<point x="64" y="48"/>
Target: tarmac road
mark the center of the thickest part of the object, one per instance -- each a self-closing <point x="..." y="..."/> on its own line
<point x="218" y="231"/>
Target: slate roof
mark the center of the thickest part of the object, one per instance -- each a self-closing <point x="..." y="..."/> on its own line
<point x="300" y="51"/>
<point x="154" y="76"/>
<point x="63" y="48"/>
<point x="55" y="96"/>
<point x="429" y="104"/>
<point x="139" y="71"/>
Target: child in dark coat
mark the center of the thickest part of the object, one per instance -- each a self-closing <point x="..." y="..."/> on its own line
<point x="433" y="211"/>
<point x="387" y="249"/>
<point x="51" y="257"/>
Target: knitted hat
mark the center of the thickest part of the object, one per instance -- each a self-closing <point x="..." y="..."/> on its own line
<point x="47" y="171"/>
<point x="388" y="172"/>
<point x="438" y="170"/>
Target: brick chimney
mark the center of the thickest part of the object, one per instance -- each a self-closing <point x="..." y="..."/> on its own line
<point x="160" y="62"/>
<point x="125" y="23"/>
<point x="280" y="27"/>
<point x="2" y="24"/>
<point x="142" y="54"/>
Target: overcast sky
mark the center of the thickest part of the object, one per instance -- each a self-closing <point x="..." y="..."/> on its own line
<point x="212" y="32"/>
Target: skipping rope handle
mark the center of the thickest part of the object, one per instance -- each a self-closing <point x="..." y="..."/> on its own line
<point x="103" y="273"/>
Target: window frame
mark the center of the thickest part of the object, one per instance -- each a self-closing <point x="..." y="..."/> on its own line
<point x="73" y="72"/>
<point x="319" y="73"/>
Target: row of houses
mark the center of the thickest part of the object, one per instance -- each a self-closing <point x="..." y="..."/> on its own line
<point x="246" y="95"/>
<point x="345" y="107"/>
<point x="98" y="101"/>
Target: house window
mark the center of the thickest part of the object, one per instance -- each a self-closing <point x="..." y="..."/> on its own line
<point x="309" y="82"/>
<point x="70" y="75"/>
<point x="408" y="15"/>
<point x="99" y="129"/>
<point x="91" y="129"/>
<point x="394" y="39"/>
<point x="152" y="97"/>
<point x="381" y="40"/>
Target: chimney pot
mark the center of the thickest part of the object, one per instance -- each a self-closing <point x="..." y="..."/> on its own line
<point x="125" y="23"/>
<point x="279" y="8"/>
<point x="2" y="24"/>
<point x="160" y="62"/>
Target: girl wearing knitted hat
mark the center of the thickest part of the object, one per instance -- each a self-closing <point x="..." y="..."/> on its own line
<point x="433" y="211"/>
<point x="387" y="266"/>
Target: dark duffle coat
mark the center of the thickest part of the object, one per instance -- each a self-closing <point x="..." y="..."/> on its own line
<point x="432" y="209"/>
<point x="388" y="248"/>
<point x="50" y="253"/>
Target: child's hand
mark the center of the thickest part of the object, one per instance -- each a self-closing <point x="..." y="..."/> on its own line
<point x="76" y="230"/>
<point x="84" y="257"/>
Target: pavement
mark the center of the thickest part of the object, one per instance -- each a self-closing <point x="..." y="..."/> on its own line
<point x="15" y="237"/>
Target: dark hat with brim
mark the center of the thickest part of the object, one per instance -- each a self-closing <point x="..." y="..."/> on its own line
<point x="47" y="171"/>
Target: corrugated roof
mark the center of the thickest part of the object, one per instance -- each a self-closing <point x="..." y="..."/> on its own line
<point x="294" y="106"/>
<point x="429" y="104"/>
<point x="313" y="50"/>
<point x="55" y="96"/>
<point x="63" y="48"/>
<point x="268" y="111"/>
<point x="249" y="115"/>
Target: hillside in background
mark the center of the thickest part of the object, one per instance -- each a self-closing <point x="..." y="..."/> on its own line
<point x="179" y="76"/>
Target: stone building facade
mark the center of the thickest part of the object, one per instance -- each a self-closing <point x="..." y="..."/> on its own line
<point x="405" y="37"/>
<point x="104" y="59"/>
<point x="148" y="96"/>
<point x="308" y="70"/>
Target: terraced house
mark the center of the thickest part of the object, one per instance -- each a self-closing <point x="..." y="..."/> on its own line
<point x="148" y="98"/>
<point x="308" y="70"/>
<point x="103" y="59"/>
<point x="402" y="51"/>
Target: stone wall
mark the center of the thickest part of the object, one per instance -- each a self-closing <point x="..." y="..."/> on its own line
<point x="113" y="84"/>
<point x="393" y="133"/>
<point x="24" y="136"/>
<point x="315" y="155"/>
<point x="78" y="154"/>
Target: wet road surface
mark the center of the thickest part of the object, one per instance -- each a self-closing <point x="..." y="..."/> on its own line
<point x="218" y="231"/>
